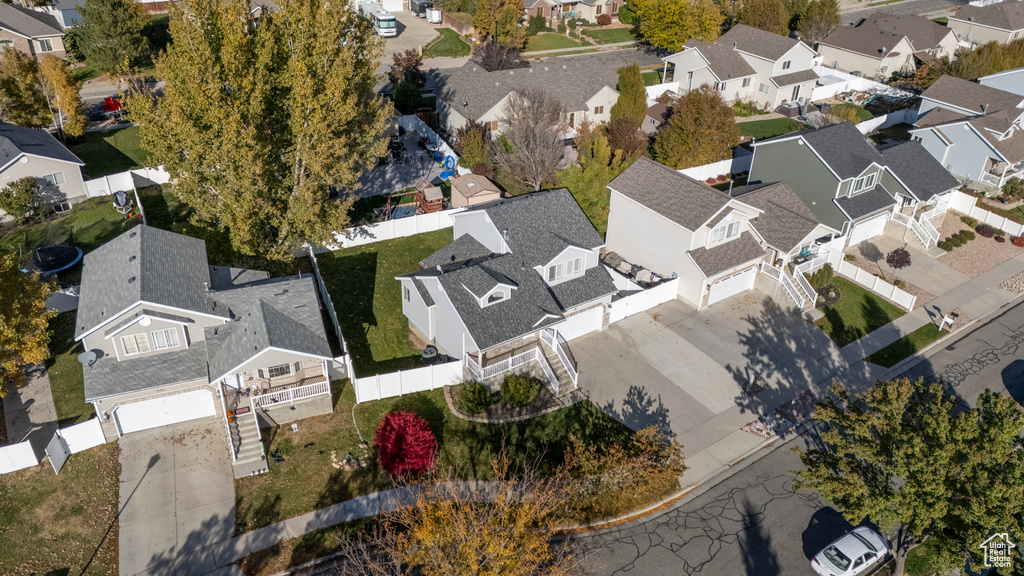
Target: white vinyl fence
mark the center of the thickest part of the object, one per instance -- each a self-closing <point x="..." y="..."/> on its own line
<point x="326" y="296"/>
<point x="17" y="456"/>
<point x="906" y="116"/>
<point x="739" y="163"/>
<point x="129" y="180"/>
<point x="967" y="204"/>
<point x="877" y="285"/>
<point x="397" y="228"/>
<point x="645" y="300"/>
<point x="836" y="82"/>
<point x="407" y="381"/>
<point x="72" y="440"/>
<point x="413" y="122"/>
<point x="658" y="89"/>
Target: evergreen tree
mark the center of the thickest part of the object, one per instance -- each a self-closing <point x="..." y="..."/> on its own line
<point x="701" y="130"/>
<point x="110" y="34"/>
<point x="632" y="101"/>
<point x="22" y="101"/>
<point x="588" y="179"/>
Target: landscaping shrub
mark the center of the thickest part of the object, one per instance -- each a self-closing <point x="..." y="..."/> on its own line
<point x="711" y="180"/>
<point x="561" y="27"/>
<point x="582" y="22"/>
<point x="537" y="24"/>
<point x="1000" y="239"/>
<point x="1013" y="189"/>
<point x="986" y="230"/>
<point x="574" y="34"/>
<point x="1018" y="241"/>
<point x="475" y="399"/>
<point x="518" y="390"/>
<point x="967" y="235"/>
<point x="405" y="444"/>
<point x="1000" y="232"/>
<point x="972" y="222"/>
<point x="626" y="15"/>
<point x="849" y="257"/>
<point x="821" y="278"/>
<point x="604" y="19"/>
<point x="572" y="23"/>
<point x="945" y="245"/>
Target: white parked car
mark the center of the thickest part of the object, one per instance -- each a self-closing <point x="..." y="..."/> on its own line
<point x="854" y="553"/>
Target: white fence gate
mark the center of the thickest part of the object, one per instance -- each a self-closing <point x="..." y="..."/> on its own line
<point x="389" y="229"/>
<point x="836" y="82"/>
<point x="641" y="301"/>
<point x="407" y="381"/>
<point x="17" y="456"/>
<point x="72" y="440"/>
<point x="968" y="205"/>
<point x="127" y="180"/>
<point x="877" y="285"/>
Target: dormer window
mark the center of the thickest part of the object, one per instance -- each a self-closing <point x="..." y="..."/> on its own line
<point x="863" y="183"/>
<point x="725" y="232"/>
<point x="565" y="269"/>
<point x="495" y="297"/>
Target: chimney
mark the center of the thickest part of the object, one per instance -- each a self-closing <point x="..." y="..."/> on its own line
<point x="731" y="182"/>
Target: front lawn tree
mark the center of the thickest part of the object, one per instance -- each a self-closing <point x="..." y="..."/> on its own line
<point x="24" y="320"/>
<point x="22" y="101"/>
<point x="898" y="259"/>
<point x="820" y="19"/>
<point x="532" y="142"/>
<point x="501" y="20"/>
<point x="701" y="130"/>
<point x="632" y="101"/>
<point x="258" y="123"/>
<point x="109" y="34"/>
<point x="61" y="91"/>
<point x="668" y="24"/>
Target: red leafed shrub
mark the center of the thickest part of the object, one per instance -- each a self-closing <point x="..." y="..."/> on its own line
<point x="405" y="444"/>
<point x="985" y="230"/>
<point x="1000" y="239"/>
<point x="723" y="178"/>
<point x="711" y="180"/>
<point x="603" y="19"/>
<point x="1018" y="241"/>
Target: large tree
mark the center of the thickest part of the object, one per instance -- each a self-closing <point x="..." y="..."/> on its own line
<point x="532" y="141"/>
<point x="61" y="91"/>
<point x="820" y="19"/>
<point x="20" y="198"/>
<point x="899" y="457"/>
<point x="259" y="122"/>
<point x="768" y="15"/>
<point x="632" y="101"/>
<point x="668" y="24"/>
<point x="501" y="20"/>
<point x="24" y="320"/>
<point x="110" y="34"/>
<point x="22" y="101"/>
<point x="588" y="178"/>
<point x="701" y="130"/>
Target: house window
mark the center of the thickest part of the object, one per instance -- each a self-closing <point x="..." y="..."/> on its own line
<point x="6" y="43"/>
<point x="565" y="269"/>
<point x="405" y="291"/>
<point x="725" y="232"/>
<point x="746" y="82"/>
<point x="598" y="9"/>
<point x="721" y="86"/>
<point x="53" y="179"/>
<point x="615" y="9"/>
<point x="598" y="109"/>
<point x="135" y="344"/>
<point x="863" y="183"/>
<point x="1016" y="34"/>
<point x="45" y="45"/>
<point x="763" y="88"/>
<point x="492" y="125"/>
<point x="278" y="371"/>
<point x="787" y="64"/>
<point x="165" y="338"/>
<point x="61" y="207"/>
<point x="495" y="297"/>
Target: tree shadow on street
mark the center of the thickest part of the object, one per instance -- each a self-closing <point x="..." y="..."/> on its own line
<point x="759" y="557"/>
<point x="639" y="409"/>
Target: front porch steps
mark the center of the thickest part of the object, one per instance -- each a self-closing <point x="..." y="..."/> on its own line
<point x="245" y="440"/>
<point x="565" y="383"/>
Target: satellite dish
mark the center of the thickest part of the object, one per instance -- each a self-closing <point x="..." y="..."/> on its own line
<point x="87" y="358"/>
<point x="145" y="322"/>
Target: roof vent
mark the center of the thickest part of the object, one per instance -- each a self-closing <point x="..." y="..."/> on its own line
<point x="505" y="233"/>
<point x="131" y="280"/>
<point x="131" y="258"/>
<point x="563" y="66"/>
<point x="470" y="184"/>
<point x="511" y="72"/>
<point x="132" y="235"/>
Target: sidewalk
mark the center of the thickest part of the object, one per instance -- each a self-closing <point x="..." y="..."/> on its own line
<point x="30" y="412"/>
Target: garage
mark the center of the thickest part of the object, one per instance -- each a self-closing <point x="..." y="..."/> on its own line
<point x="868" y="229"/>
<point x="580" y="324"/>
<point x="163" y="411"/>
<point x="732" y="285"/>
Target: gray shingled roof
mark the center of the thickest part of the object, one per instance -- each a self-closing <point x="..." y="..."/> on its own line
<point x="596" y="283"/>
<point x="224" y="277"/>
<point x="728" y="255"/>
<point x="28" y="23"/>
<point x="538" y="226"/>
<point x="758" y="42"/>
<point x="842" y="147"/>
<point x="881" y="30"/>
<point x="144" y="264"/>
<point x="151" y="314"/>
<point x="938" y="116"/>
<point x="918" y="170"/>
<point x="1008" y="15"/>
<point x="281" y="313"/>
<point x="424" y="293"/>
<point x="785" y="220"/>
<point x="724" y="61"/>
<point x="866" y="203"/>
<point x="970" y="95"/>
<point x="675" y="196"/>
<point x="463" y="248"/>
<point x="17" y="140"/>
<point x="110" y="377"/>
<point x="795" y="77"/>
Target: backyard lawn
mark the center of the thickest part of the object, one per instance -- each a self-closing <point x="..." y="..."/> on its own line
<point x="761" y="129"/>
<point x="65" y="372"/>
<point x="611" y="35"/>
<point x="906" y="346"/>
<point x="550" y="41"/>
<point x="861" y="112"/>
<point x="652" y="77"/>
<point x="109" y="152"/>
<point x="91" y="223"/>
<point x="856" y="314"/>
<point x="448" y="44"/>
<point x="361" y="281"/>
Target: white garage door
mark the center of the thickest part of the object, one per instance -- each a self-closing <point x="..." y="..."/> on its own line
<point x="732" y="285"/>
<point x="868" y="229"/>
<point x="581" y="324"/>
<point x="163" y="411"/>
<point x="393" y="5"/>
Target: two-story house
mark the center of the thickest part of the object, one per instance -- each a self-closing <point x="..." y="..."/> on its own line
<point x="31" y="152"/>
<point x="1008" y="80"/>
<point x="713" y="241"/>
<point x="1002" y="22"/>
<point x="585" y="86"/>
<point x="29" y="32"/>
<point x="883" y="44"/>
<point x="853" y="187"/>
<point x="555" y="10"/>
<point x="168" y="339"/>
<point x="975" y="131"/>
<point x="521" y="275"/>
<point x="746" y="64"/>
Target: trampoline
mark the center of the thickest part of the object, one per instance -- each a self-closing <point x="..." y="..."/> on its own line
<point x="403" y="211"/>
<point x="55" y="258"/>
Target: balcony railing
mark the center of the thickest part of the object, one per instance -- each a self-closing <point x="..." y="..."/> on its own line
<point x="289" y="395"/>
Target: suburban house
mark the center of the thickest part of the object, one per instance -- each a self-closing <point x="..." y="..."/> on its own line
<point x="168" y="338"/>
<point x="65" y="11"/>
<point x="657" y="114"/>
<point x="30" y="32"/>
<point x="33" y="152"/>
<point x="555" y="10"/>
<point x="472" y="189"/>
<point x="713" y="241"/>
<point x="746" y="64"/>
<point x="1008" y="80"/>
<point x="853" y="187"/>
<point x="521" y="276"/>
<point x="585" y="85"/>
<point x="1002" y="22"/>
<point x="883" y="44"/>
<point x="974" y="130"/>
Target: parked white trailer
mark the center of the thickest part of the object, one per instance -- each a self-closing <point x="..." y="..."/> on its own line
<point x="384" y="22"/>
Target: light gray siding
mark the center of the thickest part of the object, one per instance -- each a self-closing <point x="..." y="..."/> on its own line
<point x="72" y="190"/>
<point x="968" y="152"/>
<point x="479" y="226"/>
<point x="450" y="330"/>
<point x="415" y="309"/>
<point x="934" y="144"/>
<point x="97" y="341"/>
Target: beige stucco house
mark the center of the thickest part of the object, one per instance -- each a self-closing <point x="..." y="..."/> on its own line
<point x="1002" y="22"/>
<point x="31" y="152"/>
<point x="30" y="32"/>
<point x="883" y="44"/>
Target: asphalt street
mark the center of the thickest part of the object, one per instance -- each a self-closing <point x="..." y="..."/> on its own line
<point x="930" y="8"/>
<point x="754" y="523"/>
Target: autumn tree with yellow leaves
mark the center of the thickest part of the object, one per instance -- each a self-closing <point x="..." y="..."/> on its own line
<point x="24" y="320"/>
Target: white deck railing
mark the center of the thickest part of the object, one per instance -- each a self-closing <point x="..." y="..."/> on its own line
<point x="508" y="364"/>
<point x="808" y="290"/>
<point x="550" y="337"/>
<point x="793" y="292"/>
<point x="812" y="264"/>
<point x="772" y="271"/>
<point x="291" y="394"/>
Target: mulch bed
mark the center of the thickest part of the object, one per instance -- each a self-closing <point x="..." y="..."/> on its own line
<point x="828" y="295"/>
<point x="500" y="410"/>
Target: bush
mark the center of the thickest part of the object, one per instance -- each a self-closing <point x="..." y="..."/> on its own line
<point x="582" y="22"/>
<point x="821" y="278"/>
<point x="561" y="27"/>
<point x="711" y="180"/>
<point x="1018" y="241"/>
<point x="849" y="257"/>
<point x="571" y="22"/>
<point x="986" y="230"/>
<point x="1000" y="232"/>
<point x="405" y="444"/>
<point x="537" y="24"/>
<point x="945" y="245"/>
<point x="475" y="399"/>
<point x="574" y="34"/>
<point x="1014" y="188"/>
<point x="604" y="19"/>
<point x="1000" y="239"/>
<point x="967" y="235"/>
<point x="518" y="390"/>
<point x="626" y="15"/>
<point x="972" y="222"/>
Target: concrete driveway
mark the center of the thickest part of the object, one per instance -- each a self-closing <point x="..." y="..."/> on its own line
<point x="177" y="498"/>
<point x="413" y="32"/>
<point x="925" y="271"/>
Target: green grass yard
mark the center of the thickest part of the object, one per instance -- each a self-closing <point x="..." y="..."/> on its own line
<point x="368" y="299"/>
<point x="943" y="20"/>
<point x="91" y="223"/>
<point x="856" y="314"/>
<point x="861" y="112"/>
<point x="761" y="129"/>
<point x="611" y="35"/>
<point x="652" y="77"/>
<point x="109" y="151"/>
<point x="550" y="41"/>
<point x="449" y="44"/>
<point x="906" y="346"/>
<point x="65" y="372"/>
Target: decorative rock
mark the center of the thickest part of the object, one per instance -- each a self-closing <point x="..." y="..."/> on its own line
<point x="1013" y="284"/>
